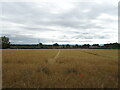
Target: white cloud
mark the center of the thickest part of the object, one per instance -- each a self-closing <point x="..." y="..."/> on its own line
<point x="105" y="16"/>
<point x="63" y="22"/>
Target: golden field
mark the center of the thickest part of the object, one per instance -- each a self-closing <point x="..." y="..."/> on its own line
<point x="60" y="68"/>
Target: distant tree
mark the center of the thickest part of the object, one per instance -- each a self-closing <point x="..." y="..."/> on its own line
<point x="76" y="46"/>
<point x="112" y="45"/>
<point x="63" y="46"/>
<point x="55" y="44"/>
<point x="80" y="46"/>
<point x="40" y="44"/>
<point x="68" y="46"/>
<point x="86" y="45"/>
<point x="5" y="42"/>
<point x="96" y="45"/>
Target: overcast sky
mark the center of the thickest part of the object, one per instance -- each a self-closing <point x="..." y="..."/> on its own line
<point x="63" y="22"/>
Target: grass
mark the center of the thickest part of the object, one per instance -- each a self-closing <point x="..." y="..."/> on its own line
<point x="70" y="68"/>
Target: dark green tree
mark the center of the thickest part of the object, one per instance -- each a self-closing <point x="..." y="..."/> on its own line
<point x="96" y="45"/>
<point x="86" y="46"/>
<point x="55" y="44"/>
<point x="76" y="46"/>
<point x="5" y="42"/>
<point x="40" y="45"/>
<point x="67" y="46"/>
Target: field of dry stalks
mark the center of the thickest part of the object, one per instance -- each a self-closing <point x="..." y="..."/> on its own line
<point x="60" y="68"/>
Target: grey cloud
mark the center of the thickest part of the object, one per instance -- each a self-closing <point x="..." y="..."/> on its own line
<point x="78" y="21"/>
<point x="92" y="36"/>
<point x="22" y="39"/>
<point x="38" y="29"/>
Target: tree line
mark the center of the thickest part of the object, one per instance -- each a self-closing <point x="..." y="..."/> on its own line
<point x="5" y="43"/>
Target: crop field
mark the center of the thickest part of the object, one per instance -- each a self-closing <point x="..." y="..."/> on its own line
<point x="60" y="68"/>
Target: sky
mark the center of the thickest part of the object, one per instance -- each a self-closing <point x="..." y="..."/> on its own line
<point x="60" y="21"/>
